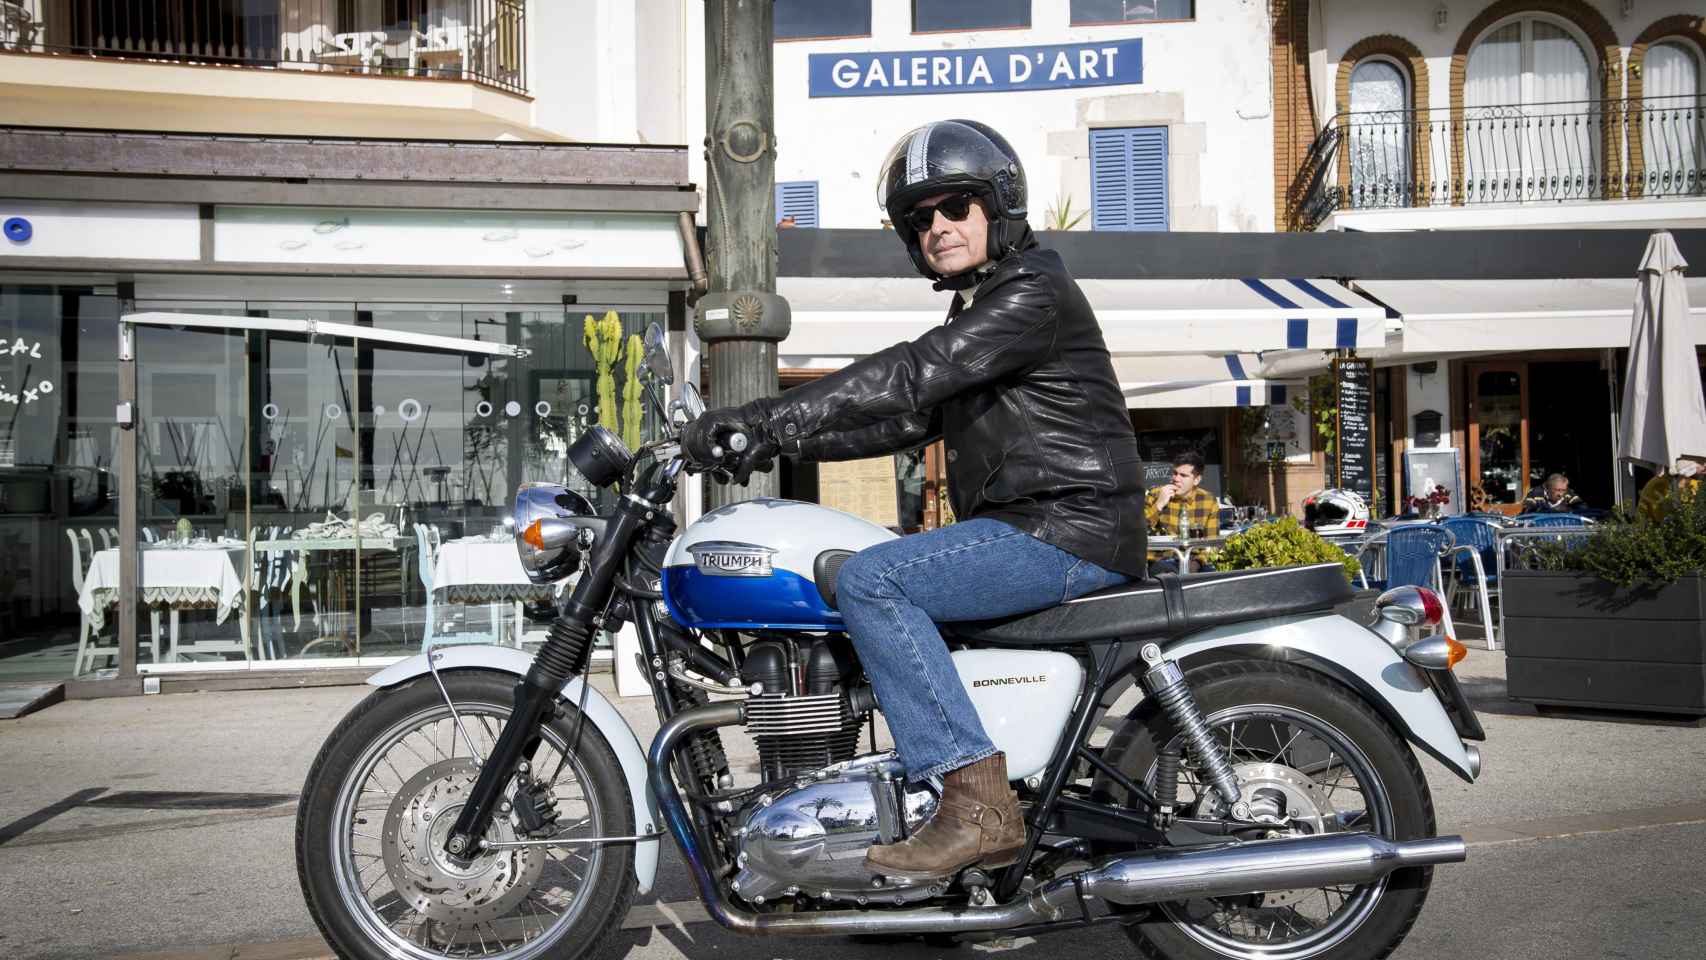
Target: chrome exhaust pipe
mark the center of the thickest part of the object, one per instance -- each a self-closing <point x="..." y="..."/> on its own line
<point x="1253" y="867"/>
<point x="1151" y="877"/>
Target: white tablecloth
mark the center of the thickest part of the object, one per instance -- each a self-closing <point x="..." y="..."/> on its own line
<point x="477" y="570"/>
<point x="202" y="576"/>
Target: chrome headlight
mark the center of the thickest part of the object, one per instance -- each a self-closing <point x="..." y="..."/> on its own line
<point x="547" y="531"/>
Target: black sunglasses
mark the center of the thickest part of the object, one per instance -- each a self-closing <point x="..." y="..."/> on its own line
<point x="955" y="208"/>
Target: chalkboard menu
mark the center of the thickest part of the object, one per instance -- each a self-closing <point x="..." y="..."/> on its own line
<point x="1158" y="447"/>
<point x="1354" y="457"/>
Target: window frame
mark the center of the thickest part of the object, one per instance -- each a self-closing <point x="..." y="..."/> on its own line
<point x="1129" y="23"/>
<point x="1030" y="23"/>
<point x="869" y="18"/>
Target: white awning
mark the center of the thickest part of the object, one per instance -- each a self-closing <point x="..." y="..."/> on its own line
<point x="1481" y="316"/>
<point x="1221" y="393"/>
<point x="854" y="317"/>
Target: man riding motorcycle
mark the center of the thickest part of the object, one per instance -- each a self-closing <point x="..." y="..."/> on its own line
<point x="1042" y="470"/>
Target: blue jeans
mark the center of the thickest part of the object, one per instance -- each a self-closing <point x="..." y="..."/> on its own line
<point x="891" y="596"/>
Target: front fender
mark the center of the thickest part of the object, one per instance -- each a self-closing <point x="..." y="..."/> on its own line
<point x="1352" y="655"/>
<point x="599" y="712"/>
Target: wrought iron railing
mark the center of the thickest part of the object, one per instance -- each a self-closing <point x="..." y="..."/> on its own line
<point x="479" y="40"/>
<point x="1548" y="152"/>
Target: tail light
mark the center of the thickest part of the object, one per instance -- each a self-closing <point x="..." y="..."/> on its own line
<point x="1400" y="616"/>
<point x="1410" y="606"/>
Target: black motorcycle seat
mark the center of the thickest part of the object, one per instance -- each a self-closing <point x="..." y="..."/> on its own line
<point x="1171" y="605"/>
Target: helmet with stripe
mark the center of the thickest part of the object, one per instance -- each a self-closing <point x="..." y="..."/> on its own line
<point x="956" y="155"/>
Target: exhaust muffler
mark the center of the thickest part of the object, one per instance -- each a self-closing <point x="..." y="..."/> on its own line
<point x="1253" y="867"/>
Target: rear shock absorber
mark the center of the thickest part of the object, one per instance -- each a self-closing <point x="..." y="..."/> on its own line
<point x="1166" y="684"/>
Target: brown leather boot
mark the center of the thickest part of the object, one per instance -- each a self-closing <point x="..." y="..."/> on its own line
<point x="977" y="823"/>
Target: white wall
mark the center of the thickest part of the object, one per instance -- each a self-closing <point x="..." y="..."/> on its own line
<point x="1208" y="80"/>
<point x="609" y="71"/>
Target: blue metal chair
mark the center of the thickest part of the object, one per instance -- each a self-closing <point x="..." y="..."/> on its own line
<point x="1413" y="555"/>
<point x="1476" y="539"/>
<point x="1557" y="520"/>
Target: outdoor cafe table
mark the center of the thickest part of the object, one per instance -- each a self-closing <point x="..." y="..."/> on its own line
<point x="198" y="575"/>
<point x="485" y="570"/>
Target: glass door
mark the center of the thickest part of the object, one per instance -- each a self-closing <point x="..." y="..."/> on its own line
<point x="1498" y="433"/>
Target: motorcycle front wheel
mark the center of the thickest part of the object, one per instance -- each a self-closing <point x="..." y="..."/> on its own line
<point x="1312" y="758"/>
<point x="386" y="788"/>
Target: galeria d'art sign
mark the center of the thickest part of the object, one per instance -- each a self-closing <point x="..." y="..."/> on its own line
<point x="976" y="70"/>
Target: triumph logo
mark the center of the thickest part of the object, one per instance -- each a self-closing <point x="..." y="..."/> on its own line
<point x="723" y="559"/>
<point x="1004" y="681"/>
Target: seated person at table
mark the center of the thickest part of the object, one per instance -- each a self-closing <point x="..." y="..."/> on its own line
<point x="1553" y="496"/>
<point x="1661" y="494"/>
<point x="1181" y="509"/>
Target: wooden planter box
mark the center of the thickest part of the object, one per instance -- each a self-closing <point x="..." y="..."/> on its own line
<point x="1574" y="640"/>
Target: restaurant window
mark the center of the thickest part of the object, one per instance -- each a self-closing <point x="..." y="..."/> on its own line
<point x="299" y="497"/>
<point x="813" y="19"/>
<point x="58" y="471"/>
<point x="1089" y="12"/>
<point x="929" y="15"/>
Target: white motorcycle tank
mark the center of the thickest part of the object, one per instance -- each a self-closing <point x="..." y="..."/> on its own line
<point x="1024" y="698"/>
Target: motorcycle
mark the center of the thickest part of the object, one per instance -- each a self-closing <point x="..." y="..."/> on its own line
<point x="1262" y="798"/>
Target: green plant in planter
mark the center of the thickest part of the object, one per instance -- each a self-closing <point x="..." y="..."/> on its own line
<point x="1281" y="543"/>
<point x="1637" y="552"/>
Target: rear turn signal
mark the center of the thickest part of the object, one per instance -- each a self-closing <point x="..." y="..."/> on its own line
<point x="1455" y="652"/>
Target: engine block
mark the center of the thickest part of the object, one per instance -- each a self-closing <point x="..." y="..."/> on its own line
<point x="795" y="734"/>
<point x="811" y="839"/>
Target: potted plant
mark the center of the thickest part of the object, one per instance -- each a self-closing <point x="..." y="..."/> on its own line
<point x="1613" y="620"/>
<point x="1280" y="543"/>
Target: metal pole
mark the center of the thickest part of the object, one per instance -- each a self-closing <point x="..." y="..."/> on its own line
<point x="129" y="488"/>
<point x="1614" y="398"/>
<point x="741" y="320"/>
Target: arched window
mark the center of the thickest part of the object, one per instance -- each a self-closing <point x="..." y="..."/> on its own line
<point x="1673" y="149"/>
<point x="1531" y="125"/>
<point x="1379" y="134"/>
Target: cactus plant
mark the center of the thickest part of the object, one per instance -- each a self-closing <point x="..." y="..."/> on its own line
<point x="603" y="338"/>
<point x="631" y="388"/>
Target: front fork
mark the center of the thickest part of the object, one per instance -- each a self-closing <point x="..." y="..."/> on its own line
<point x="563" y="656"/>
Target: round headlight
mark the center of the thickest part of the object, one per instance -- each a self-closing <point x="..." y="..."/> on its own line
<point x="600" y="456"/>
<point x="546" y="531"/>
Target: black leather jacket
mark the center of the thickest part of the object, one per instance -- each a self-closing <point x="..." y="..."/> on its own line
<point x="1020" y="387"/>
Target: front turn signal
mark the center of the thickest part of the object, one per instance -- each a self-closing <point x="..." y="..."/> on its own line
<point x="534" y="535"/>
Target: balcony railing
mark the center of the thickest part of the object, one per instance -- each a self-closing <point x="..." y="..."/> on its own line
<point x="1548" y="152"/>
<point x="479" y="40"/>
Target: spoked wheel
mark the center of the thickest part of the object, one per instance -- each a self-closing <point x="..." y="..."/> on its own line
<point x="1311" y="758"/>
<point x="388" y="786"/>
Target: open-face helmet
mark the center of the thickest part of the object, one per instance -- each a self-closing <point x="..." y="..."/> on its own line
<point x="950" y="156"/>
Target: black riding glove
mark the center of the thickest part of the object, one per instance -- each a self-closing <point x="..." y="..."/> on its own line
<point x="706" y="442"/>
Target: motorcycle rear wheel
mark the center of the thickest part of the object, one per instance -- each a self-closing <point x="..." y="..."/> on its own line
<point x="1256" y="706"/>
<point x="390" y="780"/>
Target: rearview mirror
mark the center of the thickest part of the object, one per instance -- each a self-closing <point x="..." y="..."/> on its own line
<point x="657" y="355"/>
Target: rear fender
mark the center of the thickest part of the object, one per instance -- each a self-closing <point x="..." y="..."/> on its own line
<point x="599" y="713"/>
<point x="1349" y="653"/>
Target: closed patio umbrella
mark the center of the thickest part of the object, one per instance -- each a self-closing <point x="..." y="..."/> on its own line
<point x="1664" y="413"/>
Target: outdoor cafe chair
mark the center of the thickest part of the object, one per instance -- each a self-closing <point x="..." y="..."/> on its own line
<point x="1478" y="540"/>
<point x="1413" y="553"/>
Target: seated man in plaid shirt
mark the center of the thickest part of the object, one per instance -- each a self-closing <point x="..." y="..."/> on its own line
<point x="1181" y="509"/>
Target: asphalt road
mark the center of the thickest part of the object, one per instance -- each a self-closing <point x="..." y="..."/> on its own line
<point x="1586" y="839"/>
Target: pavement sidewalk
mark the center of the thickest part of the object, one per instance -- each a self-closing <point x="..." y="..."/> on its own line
<point x="86" y="870"/>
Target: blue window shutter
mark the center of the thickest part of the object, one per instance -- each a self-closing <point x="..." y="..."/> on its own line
<point x="1128" y="178"/>
<point x="797" y="199"/>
